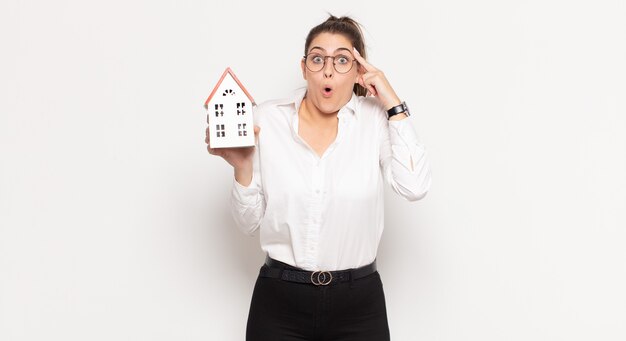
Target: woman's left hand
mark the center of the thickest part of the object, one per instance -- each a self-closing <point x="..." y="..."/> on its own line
<point x="375" y="82"/>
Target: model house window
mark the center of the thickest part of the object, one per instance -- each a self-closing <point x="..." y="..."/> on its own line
<point x="228" y="92"/>
<point x="219" y="130"/>
<point x="219" y="110"/>
<point x="241" y="106"/>
<point x="242" y="129"/>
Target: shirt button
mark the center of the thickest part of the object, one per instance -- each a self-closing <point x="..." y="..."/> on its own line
<point x="317" y="191"/>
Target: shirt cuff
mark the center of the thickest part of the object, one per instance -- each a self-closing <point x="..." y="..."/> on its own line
<point x="401" y="132"/>
<point x="405" y="145"/>
<point x="246" y="196"/>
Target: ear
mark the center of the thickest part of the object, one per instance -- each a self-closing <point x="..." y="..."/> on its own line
<point x="303" y="67"/>
<point x="359" y="73"/>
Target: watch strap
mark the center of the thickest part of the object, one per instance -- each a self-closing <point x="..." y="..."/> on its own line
<point x="398" y="109"/>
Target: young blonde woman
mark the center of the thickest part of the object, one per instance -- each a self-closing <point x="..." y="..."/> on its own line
<point x="313" y="187"/>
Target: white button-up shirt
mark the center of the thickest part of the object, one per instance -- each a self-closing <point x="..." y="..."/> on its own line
<point x="327" y="213"/>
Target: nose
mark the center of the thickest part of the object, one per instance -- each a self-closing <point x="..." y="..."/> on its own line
<point x="329" y="67"/>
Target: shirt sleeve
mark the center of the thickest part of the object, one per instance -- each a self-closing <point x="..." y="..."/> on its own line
<point x="403" y="160"/>
<point x="247" y="204"/>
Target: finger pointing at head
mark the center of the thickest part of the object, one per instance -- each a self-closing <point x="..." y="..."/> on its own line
<point x="366" y="66"/>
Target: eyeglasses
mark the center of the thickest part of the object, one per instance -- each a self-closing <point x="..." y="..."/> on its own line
<point x="316" y="62"/>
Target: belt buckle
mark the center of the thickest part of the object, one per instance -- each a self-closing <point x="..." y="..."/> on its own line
<point x="321" y="277"/>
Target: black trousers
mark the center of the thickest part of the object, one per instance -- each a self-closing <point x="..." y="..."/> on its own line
<point x="285" y="311"/>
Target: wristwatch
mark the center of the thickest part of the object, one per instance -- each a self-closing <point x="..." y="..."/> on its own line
<point x="398" y="109"/>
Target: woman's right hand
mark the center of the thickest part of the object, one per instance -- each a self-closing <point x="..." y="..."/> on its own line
<point x="239" y="158"/>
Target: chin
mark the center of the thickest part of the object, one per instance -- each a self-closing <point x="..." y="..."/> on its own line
<point x="331" y="105"/>
<point x="329" y="108"/>
<point x="336" y="104"/>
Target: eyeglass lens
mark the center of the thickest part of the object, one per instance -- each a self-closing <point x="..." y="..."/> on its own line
<point x="316" y="62"/>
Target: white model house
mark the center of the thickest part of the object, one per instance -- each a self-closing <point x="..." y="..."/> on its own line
<point x="229" y="113"/>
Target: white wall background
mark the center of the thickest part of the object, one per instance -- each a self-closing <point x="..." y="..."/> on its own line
<point x="113" y="217"/>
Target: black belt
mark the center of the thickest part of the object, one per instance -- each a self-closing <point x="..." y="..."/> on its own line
<point x="277" y="269"/>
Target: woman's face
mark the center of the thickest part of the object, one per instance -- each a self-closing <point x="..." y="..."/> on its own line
<point x="328" y="89"/>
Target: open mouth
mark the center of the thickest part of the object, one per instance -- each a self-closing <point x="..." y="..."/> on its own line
<point x="327" y="91"/>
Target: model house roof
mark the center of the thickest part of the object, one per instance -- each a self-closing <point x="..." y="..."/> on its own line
<point x="230" y="72"/>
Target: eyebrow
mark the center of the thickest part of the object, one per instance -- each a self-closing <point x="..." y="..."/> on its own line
<point x="323" y="49"/>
